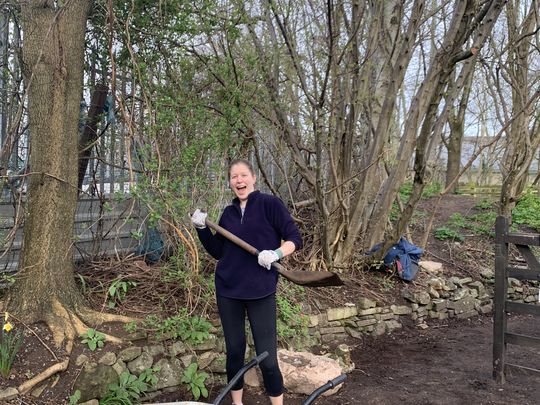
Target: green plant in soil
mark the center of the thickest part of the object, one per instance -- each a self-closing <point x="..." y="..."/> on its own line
<point x="527" y="211"/>
<point x="192" y="330"/>
<point x="195" y="381"/>
<point x="129" y="388"/>
<point x="118" y="290"/>
<point x="292" y="323"/>
<point x="446" y="233"/>
<point x="10" y="343"/>
<point x="93" y="339"/>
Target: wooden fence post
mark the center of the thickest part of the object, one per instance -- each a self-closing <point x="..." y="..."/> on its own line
<point x="501" y="287"/>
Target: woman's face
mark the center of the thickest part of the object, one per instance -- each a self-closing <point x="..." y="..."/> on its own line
<point x="242" y="181"/>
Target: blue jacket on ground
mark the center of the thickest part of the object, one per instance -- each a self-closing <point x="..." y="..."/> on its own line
<point x="265" y="223"/>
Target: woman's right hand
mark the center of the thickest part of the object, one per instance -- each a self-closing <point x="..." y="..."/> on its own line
<point x="198" y="219"/>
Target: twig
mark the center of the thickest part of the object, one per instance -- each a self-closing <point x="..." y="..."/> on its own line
<point x="36" y="335"/>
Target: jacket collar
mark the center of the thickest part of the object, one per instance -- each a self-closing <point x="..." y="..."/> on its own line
<point x="251" y="197"/>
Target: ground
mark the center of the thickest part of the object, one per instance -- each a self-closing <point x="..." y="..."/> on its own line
<point x="447" y="363"/>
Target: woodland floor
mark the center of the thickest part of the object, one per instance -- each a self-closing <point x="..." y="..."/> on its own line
<point x="450" y="362"/>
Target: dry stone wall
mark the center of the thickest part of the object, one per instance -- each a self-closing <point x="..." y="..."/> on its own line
<point x="438" y="298"/>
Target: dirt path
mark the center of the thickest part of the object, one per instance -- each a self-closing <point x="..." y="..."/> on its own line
<point x="449" y="363"/>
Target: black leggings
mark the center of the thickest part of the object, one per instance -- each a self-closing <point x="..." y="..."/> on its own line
<point x="262" y="318"/>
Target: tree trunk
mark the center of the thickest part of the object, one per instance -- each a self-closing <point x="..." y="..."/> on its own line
<point x="523" y="137"/>
<point x="89" y="135"/>
<point x="53" y="51"/>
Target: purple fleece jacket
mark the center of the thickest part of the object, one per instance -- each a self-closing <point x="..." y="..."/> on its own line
<point x="264" y="224"/>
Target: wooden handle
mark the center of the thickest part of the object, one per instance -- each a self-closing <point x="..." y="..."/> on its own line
<point x="242" y="243"/>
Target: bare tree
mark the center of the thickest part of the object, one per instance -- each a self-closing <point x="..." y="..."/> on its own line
<point x="333" y="74"/>
<point x="517" y="76"/>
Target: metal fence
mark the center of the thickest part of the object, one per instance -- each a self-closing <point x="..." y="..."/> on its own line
<point x="103" y="227"/>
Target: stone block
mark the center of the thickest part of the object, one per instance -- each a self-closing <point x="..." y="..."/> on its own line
<point x="370" y="311"/>
<point x="439" y="304"/>
<point x="366" y="303"/>
<point x="430" y="266"/>
<point x="366" y="322"/>
<point x="313" y="321"/>
<point x="392" y="325"/>
<point x="463" y="305"/>
<point x="468" y="314"/>
<point x="401" y="309"/>
<point x="332" y="331"/>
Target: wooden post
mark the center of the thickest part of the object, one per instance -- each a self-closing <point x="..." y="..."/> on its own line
<point x="501" y="287"/>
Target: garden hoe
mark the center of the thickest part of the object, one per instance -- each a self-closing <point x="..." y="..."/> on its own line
<point x="303" y="278"/>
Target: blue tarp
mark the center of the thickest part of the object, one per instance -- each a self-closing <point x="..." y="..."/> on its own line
<point x="404" y="255"/>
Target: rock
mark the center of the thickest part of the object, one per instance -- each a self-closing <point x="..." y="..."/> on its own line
<point x="91" y="402"/>
<point x="335" y="314"/>
<point x="460" y="294"/>
<point x="188" y="359"/>
<point x="141" y="363"/>
<point x="218" y="364"/>
<point x="154" y="350"/>
<point x="464" y="305"/>
<point x="379" y="329"/>
<point x="108" y="359"/>
<point x="205" y="359"/>
<point x="488" y="274"/>
<point x="439" y="304"/>
<point x="366" y="303"/>
<point x="431" y="267"/>
<point x="119" y="367"/>
<point x="392" y="325"/>
<point x="8" y="393"/>
<point x="169" y="374"/>
<point x="343" y="355"/>
<point x="433" y="292"/>
<point x="514" y="282"/>
<point x="177" y="348"/>
<point x="401" y="309"/>
<point x="418" y="297"/>
<point x="209" y="344"/>
<point x="129" y="354"/>
<point x="436" y="282"/>
<point x="313" y="321"/>
<point x="94" y="381"/>
<point x="81" y="359"/>
<point x="304" y="372"/>
<point x="252" y="378"/>
<point x="36" y="393"/>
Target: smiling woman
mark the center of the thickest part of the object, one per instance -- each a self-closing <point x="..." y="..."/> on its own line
<point x="247" y="283"/>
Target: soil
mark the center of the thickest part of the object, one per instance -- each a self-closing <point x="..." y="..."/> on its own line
<point x="450" y="362"/>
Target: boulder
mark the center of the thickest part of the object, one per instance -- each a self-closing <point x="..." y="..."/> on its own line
<point x="94" y="381"/>
<point x="431" y="267"/>
<point x="304" y="372"/>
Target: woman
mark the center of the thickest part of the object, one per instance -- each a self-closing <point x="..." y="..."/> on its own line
<point x="245" y="283"/>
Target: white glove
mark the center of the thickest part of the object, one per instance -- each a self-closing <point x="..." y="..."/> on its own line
<point x="267" y="257"/>
<point x="198" y="218"/>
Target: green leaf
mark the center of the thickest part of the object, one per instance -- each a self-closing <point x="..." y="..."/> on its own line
<point x="196" y="392"/>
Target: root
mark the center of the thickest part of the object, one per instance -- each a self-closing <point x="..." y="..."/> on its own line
<point x="97" y="318"/>
<point x="56" y="368"/>
<point x="66" y="325"/>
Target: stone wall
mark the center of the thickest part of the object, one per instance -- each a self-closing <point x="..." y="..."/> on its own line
<point x="432" y="297"/>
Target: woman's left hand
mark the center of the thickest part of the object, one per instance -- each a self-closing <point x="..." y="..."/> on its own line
<point x="267" y="257"/>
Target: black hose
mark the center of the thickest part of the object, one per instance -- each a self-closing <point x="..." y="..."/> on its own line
<point x="329" y="385"/>
<point x="239" y="375"/>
